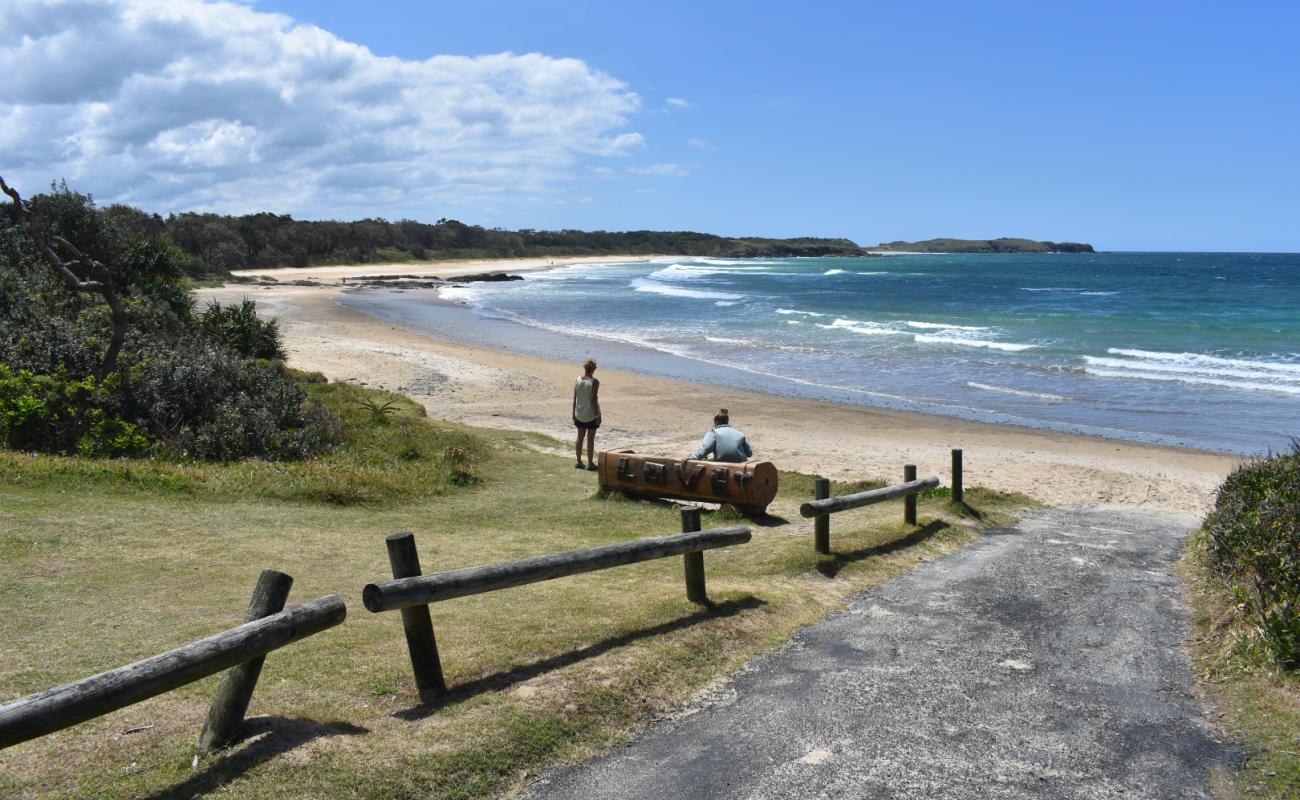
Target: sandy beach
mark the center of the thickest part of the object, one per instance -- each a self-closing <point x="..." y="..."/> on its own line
<point x="494" y="388"/>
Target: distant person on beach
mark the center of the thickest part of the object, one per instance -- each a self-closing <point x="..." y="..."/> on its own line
<point x="725" y="442"/>
<point x="586" y="412"/>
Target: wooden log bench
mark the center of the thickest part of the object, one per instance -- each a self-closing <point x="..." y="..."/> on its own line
<point x="749" y="486"/>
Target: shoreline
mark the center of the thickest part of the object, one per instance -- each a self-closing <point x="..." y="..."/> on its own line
<point x="485" y="386"/>
<point x="454" y="268"/>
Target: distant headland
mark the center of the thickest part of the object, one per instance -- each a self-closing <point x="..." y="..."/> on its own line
<point x="1003" y="245"/>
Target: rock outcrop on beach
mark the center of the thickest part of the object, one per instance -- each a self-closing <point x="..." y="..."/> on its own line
<point x="1003" y="245"/>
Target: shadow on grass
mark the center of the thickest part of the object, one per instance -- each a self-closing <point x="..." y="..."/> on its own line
<point x="831" y="565"/>
<point x="504" y="680"/>
<point x="724" y="514"/>
<point x="962" y="508"/>
<point x="263" y="739"/>
<point x="729" y="515"/>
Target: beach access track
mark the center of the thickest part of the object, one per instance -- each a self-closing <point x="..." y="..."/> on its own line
<point x="1045" y="660"/>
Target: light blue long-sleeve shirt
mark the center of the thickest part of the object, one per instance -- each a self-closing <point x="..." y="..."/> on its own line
<point x="727" y="443"/>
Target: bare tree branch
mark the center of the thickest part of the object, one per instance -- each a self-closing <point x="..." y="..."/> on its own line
<point x="98" y="278"/>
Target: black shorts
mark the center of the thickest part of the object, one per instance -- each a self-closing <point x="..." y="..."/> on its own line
<point x="586" y="426"/>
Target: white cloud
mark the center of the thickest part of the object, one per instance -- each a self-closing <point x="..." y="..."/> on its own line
<point x="701" y="144"/>
<point x="665" y="169"/>
<point x="677" y="102"/>
<point x="183" y="104"/>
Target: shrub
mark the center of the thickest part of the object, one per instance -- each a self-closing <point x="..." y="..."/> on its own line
<point x="52" y="413"/>
<point x="1253" y="543"/>
<point x="239" y="328"/>
<point x="183" y="383"/>
<point x="199" y="400"/>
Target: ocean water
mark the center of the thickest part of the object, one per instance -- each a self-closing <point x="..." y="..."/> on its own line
<point x="1193" y="349"/>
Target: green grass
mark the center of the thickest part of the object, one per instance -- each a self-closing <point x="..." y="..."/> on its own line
<point x="103" y="563"/>
<point x="1257" y="703"/>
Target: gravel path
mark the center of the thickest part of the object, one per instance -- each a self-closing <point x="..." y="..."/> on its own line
<point x="1045" y="660"/>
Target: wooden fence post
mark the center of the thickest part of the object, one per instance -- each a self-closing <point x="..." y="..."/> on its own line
<point x="958" y="496"/>
<point x="822" y="522"/>
<point x="416" y="623"/>
<point x="694" y="562"/>
<point x="909" y="502"/>
<point x="230" y="703"/>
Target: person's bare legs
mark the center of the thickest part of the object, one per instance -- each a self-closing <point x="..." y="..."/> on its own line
<point x="591" y="446"/>
<point x="582" y="432"/>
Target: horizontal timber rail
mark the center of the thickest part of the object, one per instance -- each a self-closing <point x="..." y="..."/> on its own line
<point x="425" y="589"/>
<point x="823" y="505"/>
<point x="64" y="706"/>
<point x="411" y="592"/>
<point x="831" y="505"/>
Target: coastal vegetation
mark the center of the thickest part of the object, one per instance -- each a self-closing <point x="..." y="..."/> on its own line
<point x="162" y="552"/>
<point x="1244" y="570"/>
<point x="221" y="243"/>
<point x="1003" y="245"/>
<point x="103" y="353"/>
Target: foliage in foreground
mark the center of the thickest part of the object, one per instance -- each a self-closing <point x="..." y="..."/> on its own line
<point x="1252" y="544"/>
<point x="183" y="385"/>
<point x="1255" y="702"/>
<point x="398" y="458"/>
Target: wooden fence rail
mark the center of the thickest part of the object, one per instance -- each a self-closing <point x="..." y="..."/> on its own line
<point x="832" y="505"/>
<point x="64" y="706"/>
<point x="823" y="505"/>
<point x="433" y="588"/>
<point x="413" y="593"/>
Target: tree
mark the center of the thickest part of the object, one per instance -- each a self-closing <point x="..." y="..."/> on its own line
<point x="79" y="272"/>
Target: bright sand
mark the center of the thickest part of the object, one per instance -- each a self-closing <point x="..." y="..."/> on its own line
<point x="495" y="388"/>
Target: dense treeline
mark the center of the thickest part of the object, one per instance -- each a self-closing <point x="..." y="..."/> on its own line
<point x="270" y="240"/>
<point x="103" y="353"/>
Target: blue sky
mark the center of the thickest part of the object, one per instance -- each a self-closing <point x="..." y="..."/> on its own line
<point x="1130" y="125"/>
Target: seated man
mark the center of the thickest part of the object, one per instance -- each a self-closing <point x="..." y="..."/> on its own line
<point x="725" y="442"/>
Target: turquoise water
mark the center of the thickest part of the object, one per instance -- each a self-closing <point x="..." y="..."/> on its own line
<point x="1193" y="349"/>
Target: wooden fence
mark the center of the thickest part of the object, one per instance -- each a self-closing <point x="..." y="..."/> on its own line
<point x="823" y="505"/>
<point x="240" y="650"/>
<point x="411" y="592"/>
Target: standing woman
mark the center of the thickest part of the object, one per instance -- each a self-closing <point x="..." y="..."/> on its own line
<point x="586" y="412"/>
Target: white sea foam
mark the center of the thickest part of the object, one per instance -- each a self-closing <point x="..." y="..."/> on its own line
<point x="873" y="273"/>
<point x="692" y="272"/>
<point x="1010" y="347"/>
<point x="655" y="287"/>
<point x="1050" y="289"/>
<point x="788" y="311"/>
<point x="1197" y="359"/>
<point x="727" y="303"/>
<point x="725" y="340"/>
<point x="834" y="272"/>
<point x="939" y="326"/>
<point x="1098" y="294"/>
<point x="864" y="328"/>
<point x="1190" y="368"/>
<point x="1202" y="380"/>
<point x="732" y="262"/>
<point x="1017" y="392"/>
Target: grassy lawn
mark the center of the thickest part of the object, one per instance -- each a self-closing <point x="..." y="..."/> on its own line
<point x="103" y="563"/>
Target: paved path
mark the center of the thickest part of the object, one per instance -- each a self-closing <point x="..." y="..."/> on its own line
<point x="1045" y="660"/>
